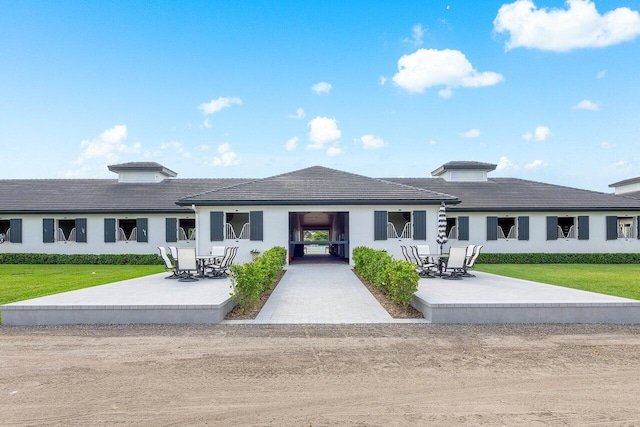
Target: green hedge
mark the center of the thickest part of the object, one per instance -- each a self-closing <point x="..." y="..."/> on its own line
<point x="252" y="279"/>
<point x="544" y="258"/>
<point x="100" y="259"/>
<point x="397" y="279"/>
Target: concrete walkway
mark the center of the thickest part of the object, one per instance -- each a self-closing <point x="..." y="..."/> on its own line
<point x="321" y="293"/>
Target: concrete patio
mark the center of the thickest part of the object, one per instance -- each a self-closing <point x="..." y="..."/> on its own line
<point x="322" y="294"/>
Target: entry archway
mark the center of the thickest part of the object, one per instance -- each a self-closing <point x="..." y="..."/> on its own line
<point x="335" y="247"/>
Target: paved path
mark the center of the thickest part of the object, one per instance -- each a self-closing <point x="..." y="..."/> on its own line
<point x="321" y="293"/>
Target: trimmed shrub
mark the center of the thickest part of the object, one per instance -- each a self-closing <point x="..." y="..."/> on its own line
<point x="397" y="279"/>
<point x="99" y="259"/>
<point x="250" y="280"/>
<point x="558" y="258"/>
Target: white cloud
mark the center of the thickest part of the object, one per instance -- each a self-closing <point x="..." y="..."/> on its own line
<point x="417" y="32"/>
<point x="382" y="80"/>
<point x="202" y="147"/>
<point x="370" y="142"/>
<point x="323" y="130"/>
<point x="540" y="133"/>
<point x="321" y="88"/>
<point x="605" y="145"/>
<point x="426" y="68"/>
<point x="226" y="156"/>
<point x="216" y="105"/>
<point x="622" y="164"/>
<point x="601" y="74"/>
<point x="177" y="147"/>
<point x="107" y="147"/>
<point x="535" y="164"/>
<point x="504" y="164"/>
<point x="299" y="114"/>
<point x="471" y="133"/>
<point x="561" y="30"/>
<point x="206" y="123"/>
<point x="291" y="144"/>
<point x="585" y="104"/>
<point x="432" y="142"/>
<point x="334" y="150"/>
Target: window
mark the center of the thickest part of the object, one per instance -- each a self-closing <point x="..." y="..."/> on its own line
<point x="5" y="230"/>
<point x="126" y="230"/>
<point x="566" y="228"/>
<point x="237" y="225"/>
<point x="452" y="228"/>
<point x="186" y="229"/>
<point x="506" y="228"/>
<point x="66" y="230"/>
<point x="399" y="225"/>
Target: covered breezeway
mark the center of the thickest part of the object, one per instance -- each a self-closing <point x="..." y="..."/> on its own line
<point x="318" y="236"/>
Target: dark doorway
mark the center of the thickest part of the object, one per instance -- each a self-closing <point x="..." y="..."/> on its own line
<point x="318" y="236"/>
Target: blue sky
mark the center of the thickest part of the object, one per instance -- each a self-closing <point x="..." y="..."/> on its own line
<point x="548" y="90"/>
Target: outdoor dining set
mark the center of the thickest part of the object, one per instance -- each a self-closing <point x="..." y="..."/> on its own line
<point x="453" y="265"/>
<point x="186" y="266"/>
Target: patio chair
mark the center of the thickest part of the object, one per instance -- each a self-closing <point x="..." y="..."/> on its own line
<point x="424" y="268"/>
<point x="471" y="262"/>
<point x="423" y="251"/>
<point x="406" y="255"/>
<point x="469" y="253"/>
<point x="168" y="265"/>
<point x="187" y="264"/>
<point x="221" y="270"/>
<point x="456" y="262"/>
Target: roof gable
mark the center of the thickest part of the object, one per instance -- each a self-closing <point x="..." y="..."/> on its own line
<point x="318" y="185"/>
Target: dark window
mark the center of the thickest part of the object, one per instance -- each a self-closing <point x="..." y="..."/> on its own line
<point x="567" y="226"/>
<point x="186" y="229"/>
<point x="452" y="228"/>
<point x="5" y="225"/>
<point x="237" y="225"/>
<point x="399" y="225"/>
<point x="127" y="230"/>
<point x="66" y="230"/>
<point x="506" y="228"/>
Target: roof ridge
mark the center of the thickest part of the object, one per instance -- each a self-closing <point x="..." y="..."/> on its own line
<point x="418" y="188"/>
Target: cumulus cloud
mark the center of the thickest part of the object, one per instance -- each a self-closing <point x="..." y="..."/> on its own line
<point x="323" y="130"/>
<point x="427" y="68"/>
<point x="226" y="156"/>
<point x="605" y="145"/>
<point x="299" y="114"/>
<point x="321" y="88"/>
<point x="504" y="164"/>
<point x="562" y="30"/>
<point x="107" y="147"/>
<point x="177" y="147"/>
<point x="622" y="164"/>
<point x="334" y="150"/>
<point x="585" y="104"/>
<point x="370" y="142"/>
<point x="219" y="104"/>
<point x="535" y="164"/>
<point x="291" y="144"/>
<point x="471" y="133"/>
<point x="417" y="32"/>
<point x="541" y="133"/>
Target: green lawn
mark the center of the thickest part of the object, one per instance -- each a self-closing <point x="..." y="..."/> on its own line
<point x="19" y="282"/>
<point x="621" y="280"/>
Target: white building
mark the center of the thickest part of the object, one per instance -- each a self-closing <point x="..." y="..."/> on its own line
<point x="147" y="207"/>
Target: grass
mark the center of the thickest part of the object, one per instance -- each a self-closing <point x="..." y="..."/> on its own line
<point x="19" y="282"/>
<point x="622" y="280"/>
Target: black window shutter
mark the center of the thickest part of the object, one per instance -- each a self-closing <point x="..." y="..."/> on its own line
<point x="143" y="229"/>
<point x="492" y="228"/>
<point x="583" y="227"/>
<point x="612" y="227"/>
<point x="256" y="229"/>
<point x="552" y="228"/>
<point x="463" y="228"/>
<point x="48" y="232"/>
<point x="638" y="226"/>
<point x="380" y="225"/>
<point x="216" y="223"/>
<point x="109" y="230"/>
<point x="171" y="226"/>
<point x="419" y="225"/>
<point x="523" y="228"/>
<point x="15" y="224"/>
<point x="81" y="230"/>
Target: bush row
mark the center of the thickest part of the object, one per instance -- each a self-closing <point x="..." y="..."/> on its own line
<point x="543" y="258"/>
<point x="252" y="279"/>
<point x="397" y="279"/>
<point x="102" y="259"/>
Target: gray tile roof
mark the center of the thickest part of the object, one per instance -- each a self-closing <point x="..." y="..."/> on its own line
<point x="142" y="166"/>
<point x="512" y="194"/>
<point x="318" y="185"/>
<point x="100" y="195"/>
<point x="626" y="182"/>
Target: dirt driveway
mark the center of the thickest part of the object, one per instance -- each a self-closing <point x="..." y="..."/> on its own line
<point x="321" y="375"/>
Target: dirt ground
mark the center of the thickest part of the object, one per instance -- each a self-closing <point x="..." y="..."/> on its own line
<point x="415" y="374"/>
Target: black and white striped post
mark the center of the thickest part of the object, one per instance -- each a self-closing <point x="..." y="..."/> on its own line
<point x="442" y="226"/>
